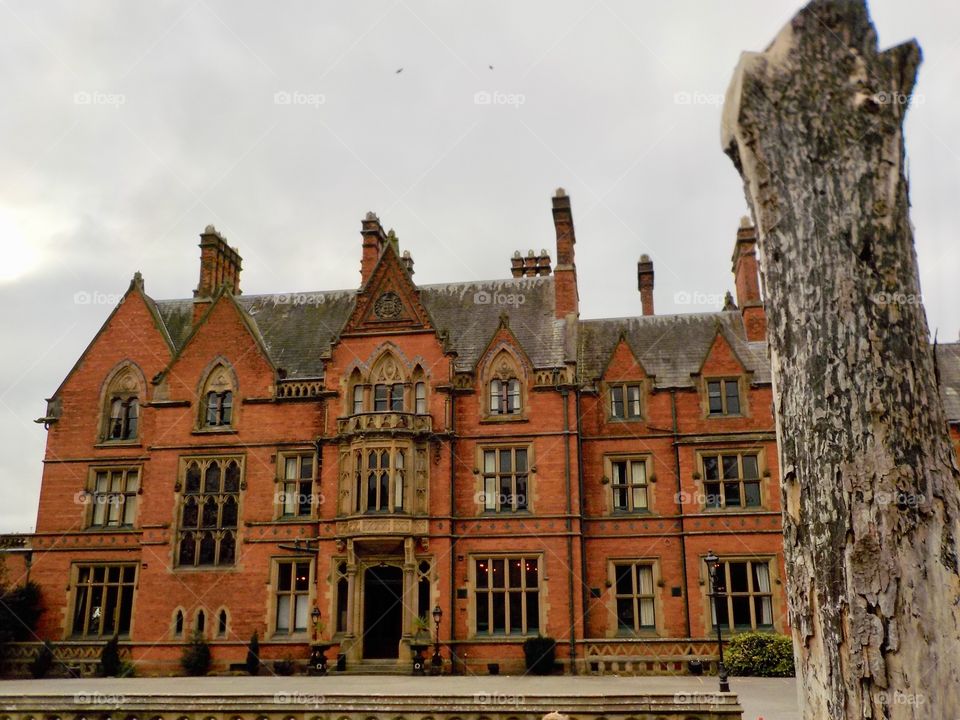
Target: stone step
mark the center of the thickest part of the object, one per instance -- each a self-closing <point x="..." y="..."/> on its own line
<point x="375" y="667"/>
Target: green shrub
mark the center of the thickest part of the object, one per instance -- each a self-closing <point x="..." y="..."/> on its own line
<point x="110" y="658"/>
<point x="540" y="654"/>
<point x="43" y="661"/>
<point x="20" y="608"/>
<point x="760" y="654"/>
<point x="196" y="655"/>
<point x="253" y="655"/>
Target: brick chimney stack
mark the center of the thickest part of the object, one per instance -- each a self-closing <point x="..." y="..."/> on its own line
<point x="374" y="240"/>
<point x="645" y="283"/>
<point x="407" y="260"/>
<point x="566" y="295"/>
<point x="531" y="265"/>
<point x="219" y="268"/>
<point x="747" y="280"/>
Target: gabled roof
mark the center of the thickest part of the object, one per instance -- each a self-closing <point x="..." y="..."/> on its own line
<point x="670" y="347"/>
<point x="470" y="313"/>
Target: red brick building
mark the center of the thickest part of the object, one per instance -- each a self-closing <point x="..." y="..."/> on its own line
<point x="229" y="463"/>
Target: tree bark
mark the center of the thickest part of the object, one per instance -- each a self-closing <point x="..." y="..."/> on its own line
<point x="870" y="485"/>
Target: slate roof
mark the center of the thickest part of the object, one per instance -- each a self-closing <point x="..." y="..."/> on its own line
<point x="298" y="329"/>
<point x="470" y="313"/>
<point x="670" y="347"/>
<point x="948" y="362"/>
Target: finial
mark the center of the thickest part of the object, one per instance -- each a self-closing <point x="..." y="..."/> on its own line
<point x="560" y="192"/>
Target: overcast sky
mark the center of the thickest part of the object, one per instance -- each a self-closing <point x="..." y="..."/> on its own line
<point x="128" y="126"/>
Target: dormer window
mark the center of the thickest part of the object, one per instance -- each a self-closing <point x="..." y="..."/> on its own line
<point x="217" y="411"/>
<point x="121" y="414"/>
<point x="505" y="397"/>
<point x="723" y="397"/>
<point x="625" y="402"/>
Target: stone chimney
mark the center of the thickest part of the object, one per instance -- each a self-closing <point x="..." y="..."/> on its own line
<point x="747" y="281"/>
<point x="531" y="265"/>
<point x="219" y="268"/>
<point x="374" y="240"/>
<point x="645" y="283"/>
<point x="566" y="295"/>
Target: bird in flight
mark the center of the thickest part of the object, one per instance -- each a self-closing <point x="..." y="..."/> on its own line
<point x="490" y="66"/>
<point x="400" y="70"/>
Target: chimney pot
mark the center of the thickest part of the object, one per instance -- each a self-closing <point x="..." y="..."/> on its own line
<point x="747" y="281"/>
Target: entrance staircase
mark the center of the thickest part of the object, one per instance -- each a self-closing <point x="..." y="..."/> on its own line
<point x="375" y="667"/>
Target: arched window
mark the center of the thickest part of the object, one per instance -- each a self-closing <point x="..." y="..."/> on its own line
<point x="178" y="624"/>
<point x="505" y="389"/>
<point x="381" y="480"/>
<point x="201" y="624"/>
<point x="218" y="398"/>
<point x="389" y="384"/>
<point x="420" y="398"/>
<point x="222" y="623"/>
<point x="122" y="411"/>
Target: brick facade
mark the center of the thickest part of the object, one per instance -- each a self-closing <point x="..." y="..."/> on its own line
<point x="595" y="438"/>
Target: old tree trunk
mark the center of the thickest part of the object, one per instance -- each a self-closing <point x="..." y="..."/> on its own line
<point x="870" y="481"/>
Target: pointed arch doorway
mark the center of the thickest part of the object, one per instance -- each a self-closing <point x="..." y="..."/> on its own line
<point x="382" y="611"/>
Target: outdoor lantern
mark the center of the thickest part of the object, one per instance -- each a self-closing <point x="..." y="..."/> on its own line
<point x="437" y="661"/>
<point x="315" y="615"/>
<point x="717" y="588"/>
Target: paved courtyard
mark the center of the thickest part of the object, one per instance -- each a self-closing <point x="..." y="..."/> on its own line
<point x="761" y="698"/>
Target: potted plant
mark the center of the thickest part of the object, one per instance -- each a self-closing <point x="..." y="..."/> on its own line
<point x="421" y="641"/>
<point x="540" y="654"/>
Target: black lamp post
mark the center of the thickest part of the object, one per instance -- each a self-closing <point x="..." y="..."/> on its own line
<point x="318" y="651"/>
<point x="718" y="588"/>
<point x="437" y="661"/>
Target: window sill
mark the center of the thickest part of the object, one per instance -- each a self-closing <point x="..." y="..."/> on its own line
<point x="734" y="509"/>
<point x="642" y="634"/>
<point x="724" y="416"/>
<point x="500" y="638"/>
<point x="215" y="431"/>
<point x="205" y="568"/>
<point x="498" y="419"/>
<point x="646" y="512"/>
<point x="622" y="420"/>
<point x="118" y="443"/>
